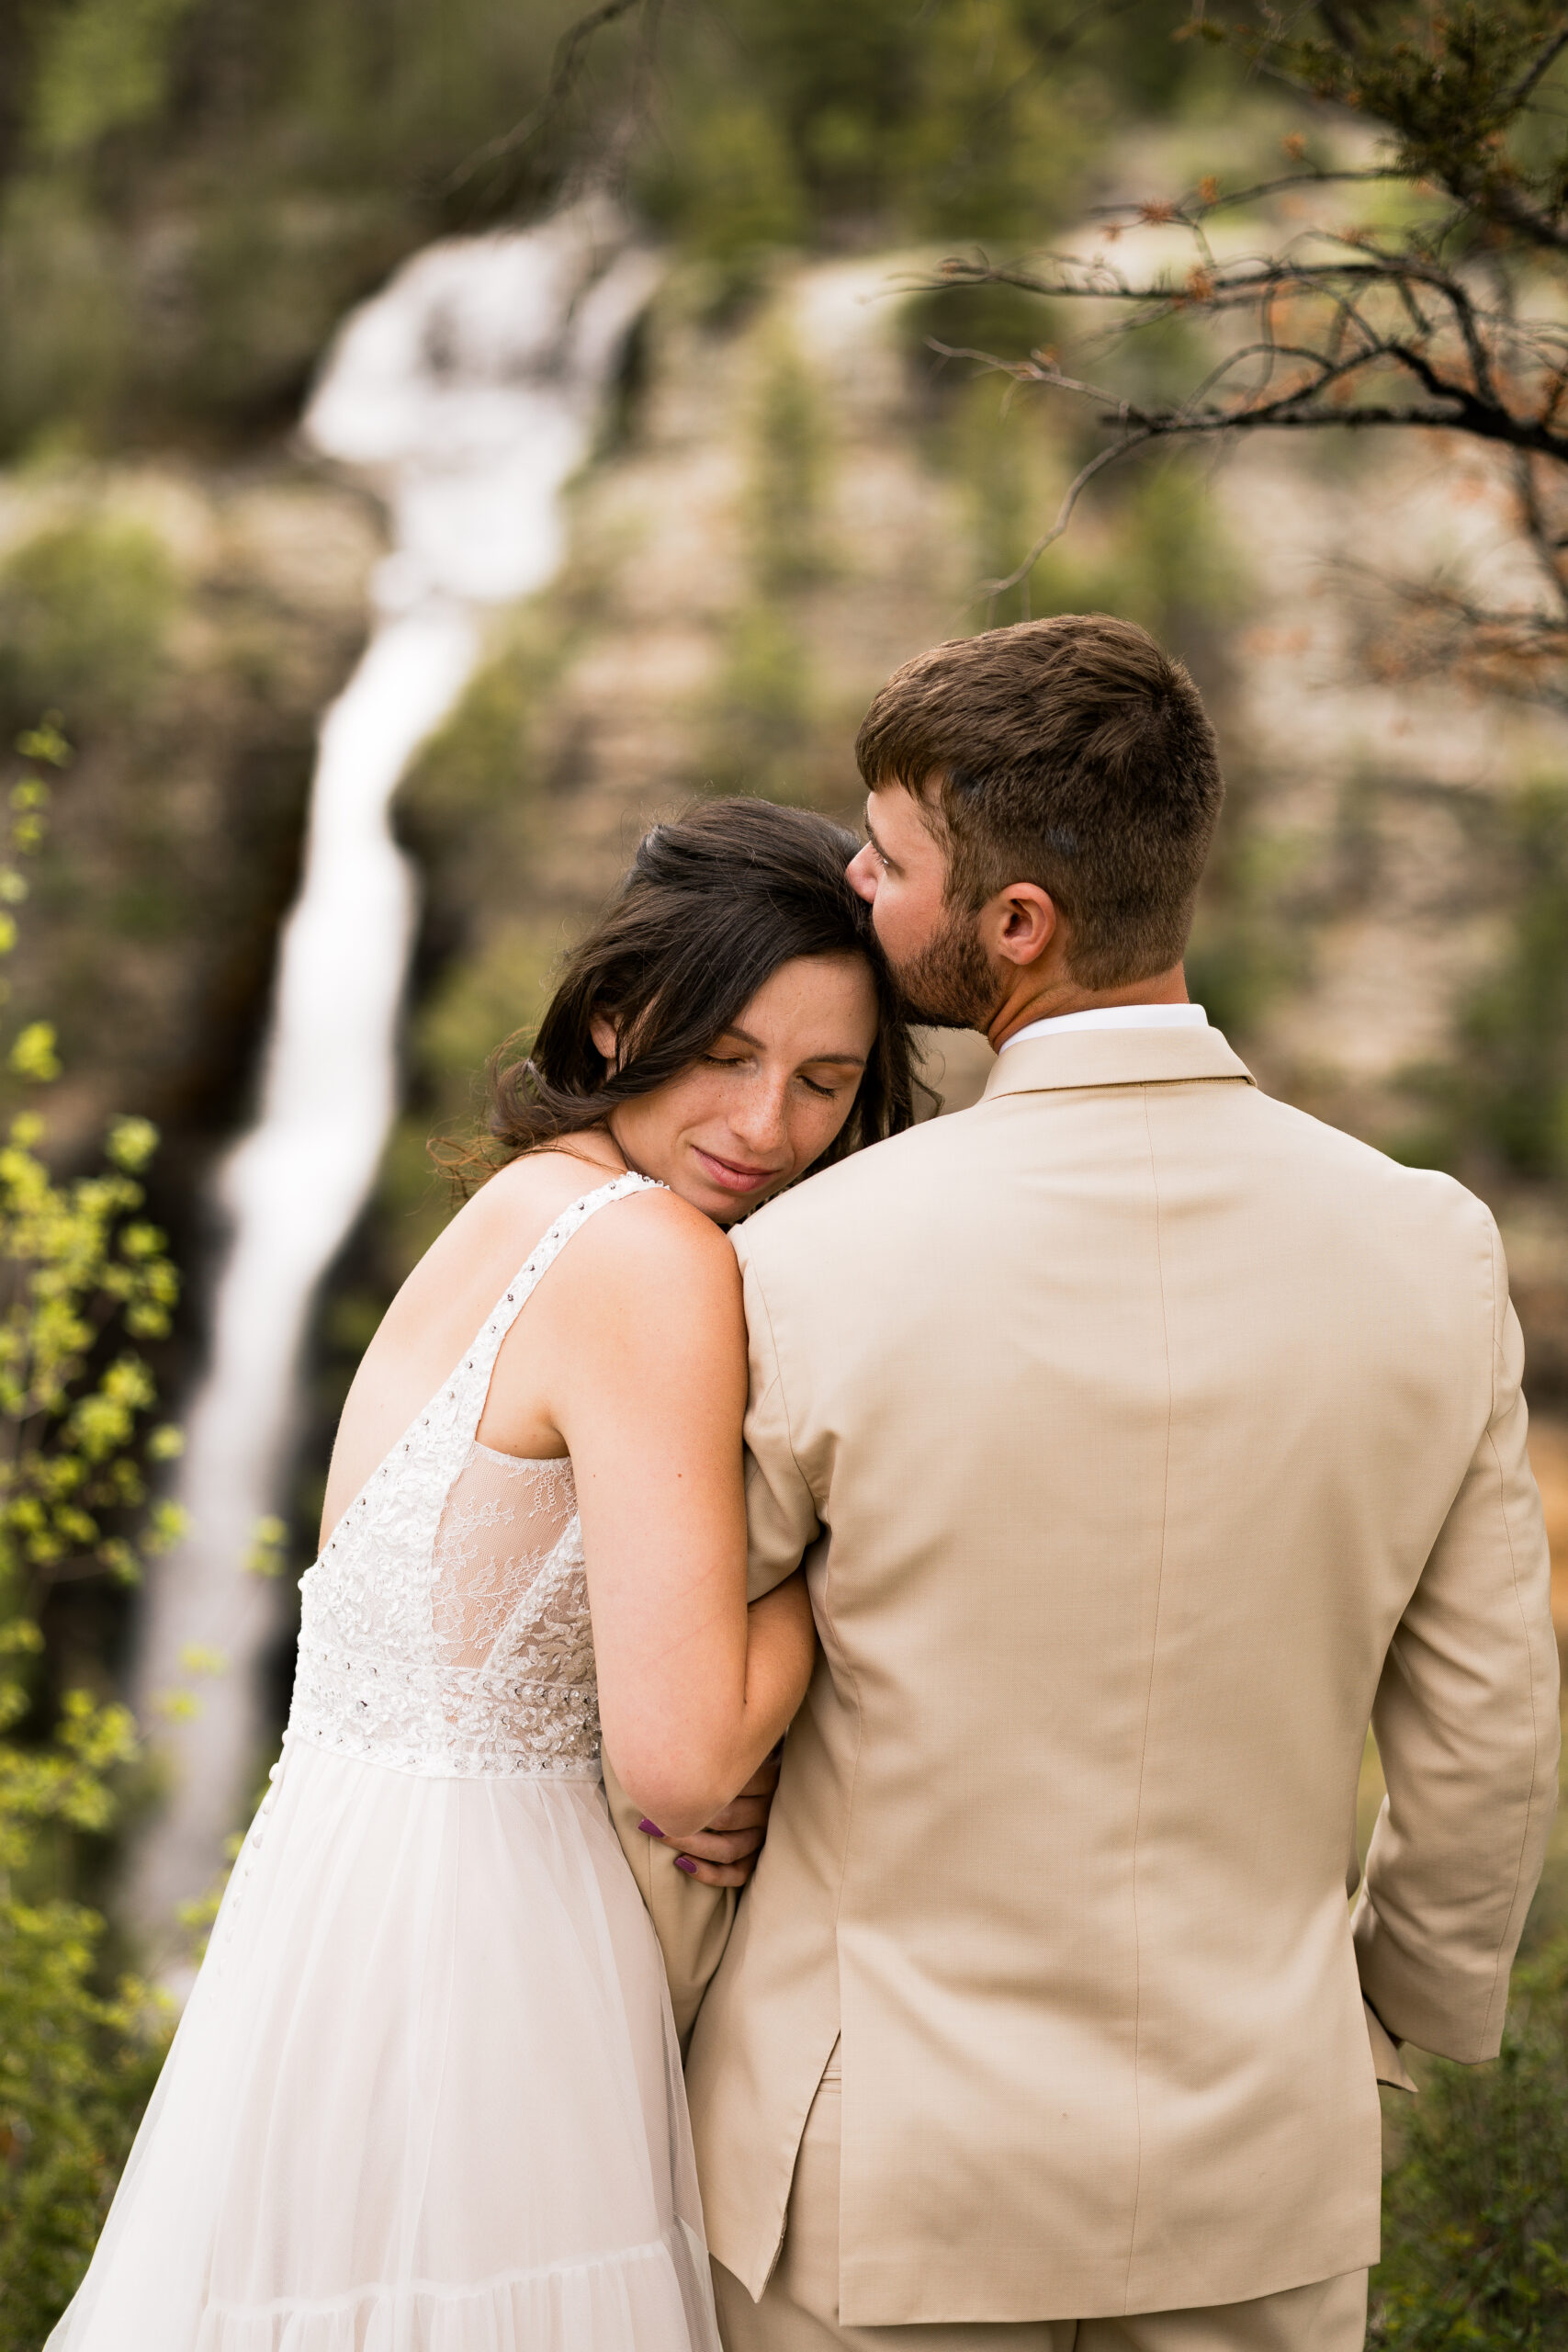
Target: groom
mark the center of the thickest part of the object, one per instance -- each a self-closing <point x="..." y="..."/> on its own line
<point x="1143" y="1439"/>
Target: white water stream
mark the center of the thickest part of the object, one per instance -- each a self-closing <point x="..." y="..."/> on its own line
<point x="467" y="392"/>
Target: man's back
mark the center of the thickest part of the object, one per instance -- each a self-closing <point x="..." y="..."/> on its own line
<point x="1139" y="1412"/>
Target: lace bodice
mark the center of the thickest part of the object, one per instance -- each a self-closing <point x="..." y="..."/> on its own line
<point x="446" y="1626"/>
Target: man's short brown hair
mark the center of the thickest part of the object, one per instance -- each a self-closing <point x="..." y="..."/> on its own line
<point x="1070" y="753"/>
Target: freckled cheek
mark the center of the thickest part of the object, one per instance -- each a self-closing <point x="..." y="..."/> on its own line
<point x="707" y="1104"/>
<point x="813" y="1131"/>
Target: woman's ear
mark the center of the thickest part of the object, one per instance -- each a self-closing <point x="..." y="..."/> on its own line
<point x="603" y="1032"/>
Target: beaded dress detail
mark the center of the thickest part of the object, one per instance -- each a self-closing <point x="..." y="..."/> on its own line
<point x="445" y="1625"/>
<point x="426" y="2096"/>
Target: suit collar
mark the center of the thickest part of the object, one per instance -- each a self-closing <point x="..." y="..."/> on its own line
<point x="1077" y="1058"/>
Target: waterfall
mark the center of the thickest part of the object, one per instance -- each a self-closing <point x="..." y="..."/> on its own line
<point x="467" y="393"/>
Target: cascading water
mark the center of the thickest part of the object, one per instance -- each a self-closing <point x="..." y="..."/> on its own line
<point x="468" y="391"/>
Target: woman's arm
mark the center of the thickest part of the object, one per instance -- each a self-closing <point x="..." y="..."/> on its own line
<point x="693" y="1690"/>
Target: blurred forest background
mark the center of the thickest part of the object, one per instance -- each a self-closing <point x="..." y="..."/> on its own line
<point x="793" y="489"/>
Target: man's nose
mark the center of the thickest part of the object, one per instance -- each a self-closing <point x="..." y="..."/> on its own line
<point x="861" y="873"/>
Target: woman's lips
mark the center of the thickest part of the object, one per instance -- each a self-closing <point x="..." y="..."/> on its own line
<point x="731" y="1175"/>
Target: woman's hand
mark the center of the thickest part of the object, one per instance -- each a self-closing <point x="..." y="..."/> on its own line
<point x="724" y="1853"/>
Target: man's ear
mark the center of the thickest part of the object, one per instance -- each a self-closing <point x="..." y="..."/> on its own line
<point x="1018" y="925"/>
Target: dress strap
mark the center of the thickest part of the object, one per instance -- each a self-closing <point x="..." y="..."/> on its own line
<point x="470" y="1382"/>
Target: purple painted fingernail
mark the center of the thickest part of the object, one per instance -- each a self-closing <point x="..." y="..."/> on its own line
<point x="684" y="1862"/>
<point x="651" y="1829"/>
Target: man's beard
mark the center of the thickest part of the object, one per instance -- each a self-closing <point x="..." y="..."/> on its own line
<point x="950" y="985"/>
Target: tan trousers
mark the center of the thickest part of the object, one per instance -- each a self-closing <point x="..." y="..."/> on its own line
<point x="798" y="2312"/>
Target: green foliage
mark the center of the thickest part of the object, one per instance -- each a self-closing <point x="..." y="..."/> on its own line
<point x="86" y="606"/>
<point x="196" y="193"/>
<point x="473" y="809"/>
<point x="66" y="316"/>
<point x="77" y="2065"/>
<point x="1163" y="559"/>
<point x="82" y="1272"/>
<point x="789" y="116"/>
<point x="1245" y="952"/>
<point x="479" y="759"/>
<point x="1010" y="472"/>
<point x="761" y="718"/>
<point x="788" y="472"/>
<point x="103" y="64"/>
<point x="1501" y="1101"/>
<point x="1447" y="83"/>
<point x="735" y="189"/>
<point x="1476" y="2214"/>
<point x="1515" y="1031"/>
<point x="1156" y="552"/>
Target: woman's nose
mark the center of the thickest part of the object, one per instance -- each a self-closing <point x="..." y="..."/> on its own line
<point x="759" y="1117"/>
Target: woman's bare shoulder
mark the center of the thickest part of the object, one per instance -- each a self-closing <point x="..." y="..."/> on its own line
<point x="653" y="1241"/>
<point x="648" y="1241"/>
<point x="516" y="1206"/>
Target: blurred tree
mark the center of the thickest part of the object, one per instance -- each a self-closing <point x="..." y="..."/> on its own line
<point x="193" y="192"/>
<point x="84" y="608"/>
<point x="81" y="1274"/>
<point x="1443" y="313"/>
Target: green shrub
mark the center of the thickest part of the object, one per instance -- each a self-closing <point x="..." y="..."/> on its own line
<point x="82" y="1273"/>
<point x="85" y="609"/>
<point x="67" y="322"/>
<point x="788" y="467"/>
<point x="1499" y="1101"/>
<point x="1516" y="1028"/>
<point x="1476" y="2215"/>
<point x="76" y="2066"/>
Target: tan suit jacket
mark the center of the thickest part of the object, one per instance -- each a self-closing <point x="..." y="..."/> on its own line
<point x="1145" y="1438"/>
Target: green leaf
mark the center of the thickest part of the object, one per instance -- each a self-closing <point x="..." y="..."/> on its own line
<point x="33" y="1054"/>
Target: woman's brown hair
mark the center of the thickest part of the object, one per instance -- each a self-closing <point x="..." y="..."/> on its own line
<point x="714" y="904"/>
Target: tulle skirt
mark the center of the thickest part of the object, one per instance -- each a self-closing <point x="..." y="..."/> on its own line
<point x="426" y="2098"/>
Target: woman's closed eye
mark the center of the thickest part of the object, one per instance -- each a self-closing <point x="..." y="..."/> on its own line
<point x="825" y="1087"/>
<point x="833" y="1075"/>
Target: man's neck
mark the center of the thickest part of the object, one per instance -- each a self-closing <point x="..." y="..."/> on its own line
<point x="1034" y="1000"/>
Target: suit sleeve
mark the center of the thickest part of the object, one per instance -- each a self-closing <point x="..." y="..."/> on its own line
<point x="691" y="1921"/>
<point x="1466" y="1723"/>
<point x="781" y="1510"/>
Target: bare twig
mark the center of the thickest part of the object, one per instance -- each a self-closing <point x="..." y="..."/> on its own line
<point x="1075" y="491"/>
<point x="566" y="71"/>
<point x="1191" y="210"/>
<point x="1550" y="52"/>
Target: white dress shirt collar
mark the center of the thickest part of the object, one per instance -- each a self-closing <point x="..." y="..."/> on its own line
<point x="1114" y="1016"/>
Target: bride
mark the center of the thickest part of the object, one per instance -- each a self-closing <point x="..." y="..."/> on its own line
<point x="426" y="2096"/>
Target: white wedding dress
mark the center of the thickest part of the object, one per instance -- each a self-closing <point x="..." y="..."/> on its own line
<point x="426" y="2096"/>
